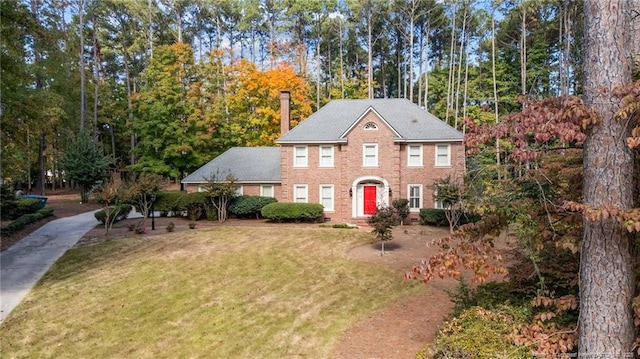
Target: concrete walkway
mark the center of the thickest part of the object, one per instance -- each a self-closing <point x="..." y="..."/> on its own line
<point x="24" y="263"/>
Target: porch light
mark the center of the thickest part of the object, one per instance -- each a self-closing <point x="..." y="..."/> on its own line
<point x="350" y="192"/>
<point x="390" y="192"/>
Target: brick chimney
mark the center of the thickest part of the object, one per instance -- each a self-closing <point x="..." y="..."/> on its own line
<point x="285" y="112"/>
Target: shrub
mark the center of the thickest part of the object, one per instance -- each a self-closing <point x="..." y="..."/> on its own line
<point x="26" y="219"/>
<point x="121" y="212"/>
<point x="433" y="216"/>
<point x="194" y="203"/>
<point x="286" y="212"/>
<point x="8" y="205"/>
<point x="249" y="206"/>
<point x="401" y="206"/>
<point x="26" y="206"/>
<point x="438" y="217"/>
<point x="169" y="201"/>
<point x="480" y="333"/>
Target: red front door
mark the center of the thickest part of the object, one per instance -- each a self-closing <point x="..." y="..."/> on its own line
<point x="370" y="196"/>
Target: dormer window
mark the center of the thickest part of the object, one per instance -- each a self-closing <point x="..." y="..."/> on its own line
<point x="370" y="126"/>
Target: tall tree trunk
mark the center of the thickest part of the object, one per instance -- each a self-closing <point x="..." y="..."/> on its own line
<point x="606" y="265"/>
<point x="523" y="50"/>
<point x="370" y="54"/>
<point x="495" y="84"/>
<point x="96" y="81"/>
<point x="463" y="40"/>
<point x="426" y="75"/>
<point x="41" y="165"/>
<point x="82" y="80"/>
<point x="451" y="66"/>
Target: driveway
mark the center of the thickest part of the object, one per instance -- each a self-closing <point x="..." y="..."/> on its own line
<point x="24" y="263"/>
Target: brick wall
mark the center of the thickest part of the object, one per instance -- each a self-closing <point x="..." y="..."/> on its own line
<point x="348" y="166"/>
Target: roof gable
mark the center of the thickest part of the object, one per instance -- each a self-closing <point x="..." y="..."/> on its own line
<point x="331" y="122"/>
<point x="364" y="115"/>
<point x="246" y="164"/>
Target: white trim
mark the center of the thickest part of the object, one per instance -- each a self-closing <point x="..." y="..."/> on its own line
<point x="419" y="158"/>
<point x="320" y="157"/>
<point x="364" y="154"/>
<point x="300" y="186"/>
<point x="448" y="155"/>
<point x="239" y="190"/>
<point x="357" y="198"/>
<point x="420" y="197"/>
<point x="331" y="206"/>
<point x="365" y="113"/>
<point x="272" y="187"/>
<point x="304" y="160"/>
<point x="370" y="126"/>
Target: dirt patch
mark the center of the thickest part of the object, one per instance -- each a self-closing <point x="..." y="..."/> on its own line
<point x="404" y="327"/>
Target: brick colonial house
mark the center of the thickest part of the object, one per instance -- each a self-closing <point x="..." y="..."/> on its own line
<point x="350" y="156"/>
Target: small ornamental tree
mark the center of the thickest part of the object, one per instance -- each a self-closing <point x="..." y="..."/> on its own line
<point x="402" y="209"/>
<point x="110" y="196"/>
<point x="448" y="191"/>
<point x="221" y="192"/>
<point x="84" y="163"/>
<point x="383" y="222"/>
<point x="139" y="192"/>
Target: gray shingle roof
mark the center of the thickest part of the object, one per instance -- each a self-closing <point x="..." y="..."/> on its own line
<point x="411" y="122"/>
<point x="246" y="164"/>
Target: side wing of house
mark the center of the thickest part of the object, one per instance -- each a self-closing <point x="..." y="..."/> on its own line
<point x="256" y="171"/>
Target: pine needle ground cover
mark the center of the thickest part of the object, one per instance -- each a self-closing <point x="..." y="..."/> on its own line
<point x="227" y="292"/>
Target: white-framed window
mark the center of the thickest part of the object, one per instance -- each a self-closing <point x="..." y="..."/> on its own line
<point x="415" y="197"/>
<point x="326" y="196"/>
<point x="370" y="126"/>
<point x="414" y="155"/>
<point x="326" y="156"/>
<point x="266" y="190"/>
<point x="300" y="156"/>
<point x="370" y="155"/>
<point x="300" y="193"/>
<point x="239" y="191"/>
<point x="443" y="154"/>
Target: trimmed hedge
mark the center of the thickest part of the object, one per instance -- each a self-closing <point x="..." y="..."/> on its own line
<point x="121" y="212"/>
<point x="249" y="206"/>
<point x="438" y="217"/>
<point x="194" y="203"/>
<point x="26" y="219"/>
<point x="287" y="212"/>
<point x="169" y="201"/>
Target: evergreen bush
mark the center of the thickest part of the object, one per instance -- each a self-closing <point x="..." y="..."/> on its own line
<point x="289" y="212"/>
<point x="249" y="206"/>
<point x="121" y="212"/>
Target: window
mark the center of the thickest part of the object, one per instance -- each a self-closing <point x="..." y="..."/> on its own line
<point x="415" y="197"/>
<point x="300" y="193"/>
<point x="326" y="156"/>
<point x="370" y="155"/>
<point x="239" y="191"/>
<point x="326" y="196"/>
<point x="414" y="153"/>
<point x="370" y="126"/>
<point x="266" y="190"/>
<point x="443" y="157"/>
<point x="300" y="156"/>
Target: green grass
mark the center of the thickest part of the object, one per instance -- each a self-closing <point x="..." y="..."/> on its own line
<point x="228" y="292"/>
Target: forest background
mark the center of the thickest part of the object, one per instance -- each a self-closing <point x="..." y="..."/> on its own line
<point x="166" y="85"/>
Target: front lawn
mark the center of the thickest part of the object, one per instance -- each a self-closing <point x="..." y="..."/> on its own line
<point x="227" y="292"/>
